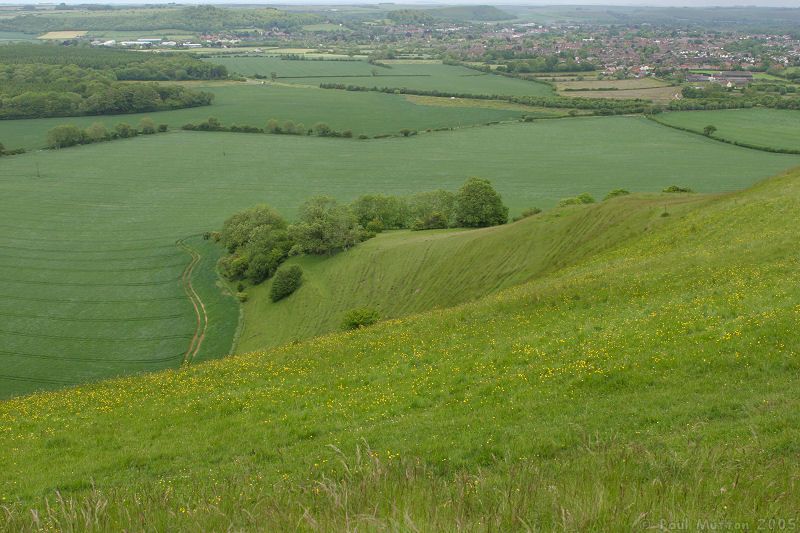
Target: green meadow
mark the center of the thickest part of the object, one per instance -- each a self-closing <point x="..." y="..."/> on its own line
<point x="769" y="128"/>
<point x="93" y="281"/>
<point x="647" y="384"/>
<point x="424" y="76"/>
<point x="254" y="104"/>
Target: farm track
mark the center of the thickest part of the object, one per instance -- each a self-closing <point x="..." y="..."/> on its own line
<point x="197" y="303"/>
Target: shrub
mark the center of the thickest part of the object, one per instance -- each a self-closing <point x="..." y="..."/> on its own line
<point x="163" y="127"/>
<point x="360" y="317"/>
<point x="286" y="281"/>
<point x="615" y="193"/>
<point x="528" y="212"/>
<point x="581" y="199"/>
<point x="374" y="226"/>
<point x="435" y="220"/>
<point x="64" y="136"/>
<point x="347" y="134"/>
<point x="147" y="126"/>
<point x="96" y="133"/>
<point x="124" y="130"/>
<point x="273" y="126"/>
<point x="322" y="129"/>
<point x="675" y="188"/>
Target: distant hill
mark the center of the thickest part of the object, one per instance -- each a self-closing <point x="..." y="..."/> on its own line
<point x="450" y="14"/>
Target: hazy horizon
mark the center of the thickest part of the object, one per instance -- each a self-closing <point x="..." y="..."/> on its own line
<point x="621" y="3"/>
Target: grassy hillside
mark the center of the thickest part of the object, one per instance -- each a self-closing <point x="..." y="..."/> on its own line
<point x="406" y="272"/>
<point x="656" y="381"/>
<point x="99" y="223"/>
<point x="769" y="128"/>
<point x="254" y="104"/>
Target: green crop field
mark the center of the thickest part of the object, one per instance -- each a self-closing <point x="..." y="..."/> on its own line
<point x="254" y="104"/>
<point x="770" y="128"/>
<point x="386" y="273"/>
<point x="13" y="36"/>
<point x="92" y="275"/>
<point x="647" y="383"/>
<point x="423" y="76"/>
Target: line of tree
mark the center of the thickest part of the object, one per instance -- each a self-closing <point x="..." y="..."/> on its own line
<point x="273" y="126"/>
<point x="67" y="135"/>
<point x="259" y="239"/>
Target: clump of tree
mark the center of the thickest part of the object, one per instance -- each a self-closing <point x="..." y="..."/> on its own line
<point x="709" y="130"/>
<point x="377" y="212"/>
<point x="360" y="317"/>
<point x="433" y="210"/>
<point x="581" y="199"/>
<point x="286" y="281"/>
<point x="66" y="135"/>
<point x="324" y="227"/>
<point x="258" y="241"/>
<point x="39" y="91"/>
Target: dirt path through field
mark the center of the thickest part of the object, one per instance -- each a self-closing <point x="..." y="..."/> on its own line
<point x="197" y="303"/>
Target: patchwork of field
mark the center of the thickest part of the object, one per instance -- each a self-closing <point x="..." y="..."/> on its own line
<point x="90" y="269"/>
<point x="770" y="128"/>
<point x="422" y="76"/>
<point x="254" y="104"/>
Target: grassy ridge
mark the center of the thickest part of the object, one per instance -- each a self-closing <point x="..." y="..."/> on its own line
<point x="768" y="128"/>
<point x="406" y="272"/>
<point x="653" y="382"/>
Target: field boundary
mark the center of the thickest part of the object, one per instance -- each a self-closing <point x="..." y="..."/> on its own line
<point x="194" y="298"/>
<point x="726" y="141"/>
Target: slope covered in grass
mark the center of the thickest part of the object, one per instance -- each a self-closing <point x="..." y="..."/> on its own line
<point x="93" y="227"/>
<point x="406" y="272"/>
<point x="656" y="381"/>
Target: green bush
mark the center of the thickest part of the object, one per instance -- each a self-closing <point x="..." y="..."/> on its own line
<point x="360" y="317"/>
<point x="675" y="188"/>
<point x="581" y="199"/>
<point x="374" y="226"/>
<point x="286" y="281"/>
<point x="528" y="212"/>
<point x="615" y="193"/>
